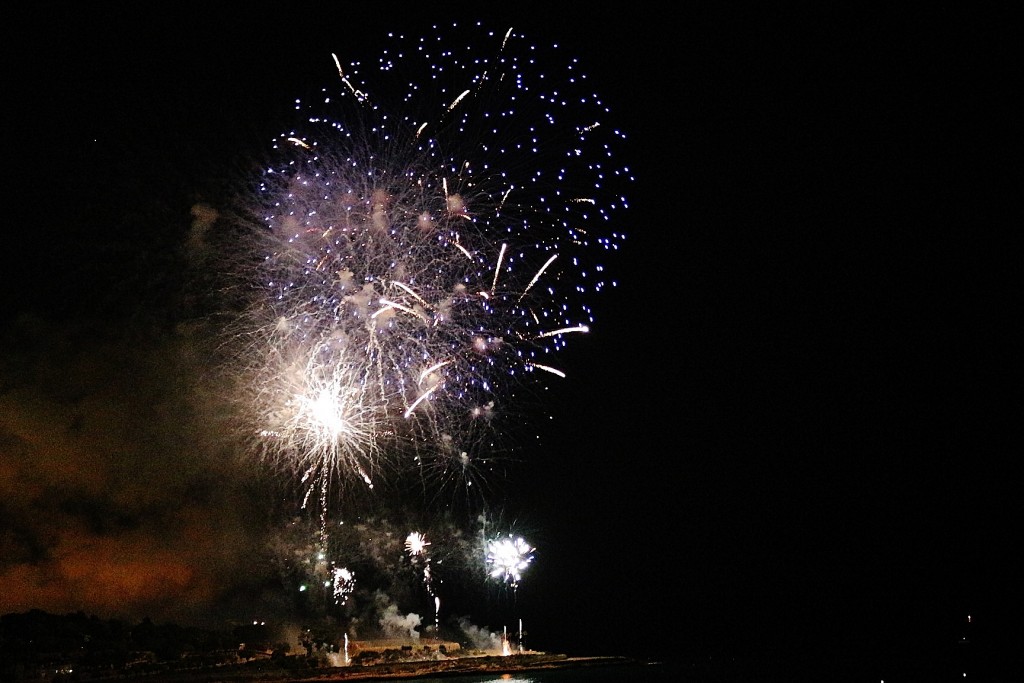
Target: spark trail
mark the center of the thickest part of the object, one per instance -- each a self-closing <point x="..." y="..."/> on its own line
<point x="416" y="546"/>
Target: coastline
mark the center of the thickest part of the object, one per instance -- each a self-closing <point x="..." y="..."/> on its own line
<point x="463" y="666"/>
<point x="281" y="672"/>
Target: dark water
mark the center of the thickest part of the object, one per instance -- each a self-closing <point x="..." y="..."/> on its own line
<point x="641" y="673"/>
<point x="729" y="670"/>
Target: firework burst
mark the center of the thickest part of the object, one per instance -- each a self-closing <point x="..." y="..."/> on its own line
<point x="421" y="246"/>
<point x="508" y="558"/>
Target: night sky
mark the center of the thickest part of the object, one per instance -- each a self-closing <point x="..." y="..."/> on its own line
<point x="794" y="425"/>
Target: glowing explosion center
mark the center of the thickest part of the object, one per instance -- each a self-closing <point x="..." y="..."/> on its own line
<point x="508" y="558"/>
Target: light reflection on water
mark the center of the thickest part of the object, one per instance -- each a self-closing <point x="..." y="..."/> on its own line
<point x="501" y="678"/>
<point x="596" y="674"/>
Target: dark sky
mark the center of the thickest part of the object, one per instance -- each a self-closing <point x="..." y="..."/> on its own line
<point x="795" y="423"/>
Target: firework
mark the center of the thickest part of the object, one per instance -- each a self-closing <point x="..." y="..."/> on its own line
<point x="416" y="546"/>
<point x="343" y="582"/>
<point x="508" y="558"/>
<point x="427" y="237"/>
<point x="315" y="574"/>
<point x="419" y="250"/>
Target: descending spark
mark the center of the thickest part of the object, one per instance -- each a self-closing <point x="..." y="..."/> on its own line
<point x="463" y="250"/>
<point x="565" y="330"/>
<point x="497" y="267"/>
<point x="458" y="99"/>
<point x="419" y="399"/>
<point x="429" y="371"/>
<point x="537" y="276"/>
<point x="358" y="94"/>
<point x="548" y="368"/>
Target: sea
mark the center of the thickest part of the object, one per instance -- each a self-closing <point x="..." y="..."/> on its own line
<point x="749" y="672"/>
<point x="655" y="672"/>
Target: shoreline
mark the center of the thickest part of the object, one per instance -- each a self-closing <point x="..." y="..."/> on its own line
<point x="281" y="672"/>
<point x="495" y="664"/>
